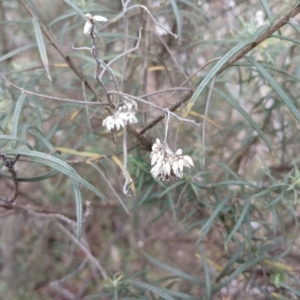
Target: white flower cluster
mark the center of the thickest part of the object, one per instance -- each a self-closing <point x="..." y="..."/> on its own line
<point x="167" y="164"/>
<point x="124" y="115"/>
<point x="87" y="29"/>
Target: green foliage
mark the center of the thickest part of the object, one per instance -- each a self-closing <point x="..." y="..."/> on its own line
<point x="227" y="228"/>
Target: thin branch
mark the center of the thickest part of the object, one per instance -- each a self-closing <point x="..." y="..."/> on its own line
<point x="67" y="58"/>
<point x="9" y="164"/>
<point x="153" y="19"/>
<point x="238" y="56"/>
<point x="125" y="21"/>
<point x="83" y="248"/>
<point x="176" y="89"/>
<point x="167" y="117"/>
<point x="127" y="184"/>
<point x="87" y="110"/>
<point x="110" y="186"/>
<point x="124" y="53"/>
<point x="23" y="91"/>
<point x="164" y="110"/>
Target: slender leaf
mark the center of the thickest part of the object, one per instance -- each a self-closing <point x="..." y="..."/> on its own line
<point x="266" y="7"/>
<point x="206" y="273"/>
<point x="78" y="199"/>
<point x="246" y="116"/>
<point x="15" y="139"/>
<point x="17" y="51"/>
<point x="213" y="72"/>
<point x="41" y="45"/>
<point x="177" y="17"/>
<point x="172" y="270"/>
<point x="240" y="220"/>
<point x="152" y="288"/>
<point x="249" y="263"/>
<point x="289" y="103"/>
<point x="16" y="116"/>
<point x="76" y="8"/>
<point x="209" y="223"/>
<point x="32" y="179"/>
<point x="231" y="261"/>
<point x="57" y="164"/>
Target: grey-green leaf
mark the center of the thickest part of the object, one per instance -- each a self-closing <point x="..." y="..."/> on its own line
<point x="57" y="164"/>
<point x="78" y="199"/>
<point x="266" y="7"/>
<point x="152" y="288"/>
<point x="247" y="117"/>
<point x="289" y="103"/>
<point x="177" y="16"/>
<point x="216" y="68"/>
<point x="76" y="8"/>
<point x="41" y="45"/>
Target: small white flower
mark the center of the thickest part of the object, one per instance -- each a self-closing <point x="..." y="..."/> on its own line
<point x="129" y="117"/>
<point x="88" y="26"/>
<point x="87" y="29"/>
<point x="119" y="120"/>
<point x="166" y="164"/>
<point x="188" y="162"/>
<point x="109" y="123"/>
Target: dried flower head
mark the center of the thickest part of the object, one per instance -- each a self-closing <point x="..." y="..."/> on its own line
<point x="88" y="26"/>
<point x="167" y="164"/>
<point x="124" y="115"/>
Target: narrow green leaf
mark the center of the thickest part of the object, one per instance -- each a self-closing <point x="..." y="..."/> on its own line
<point x="286" y="38"/>
<point x="15" y="139"/>
<point x="260" y="31"/>
<point x="292" y="290"/>
<point x="247" y="117"/>
<point x="266" y="7"/>
<point x="295" y="26"/>
<point x="41" y="45"/>
<point x="206" y="273"/>
<point x="231" y="261"/>
<point x="249" y="263"/>
<point x="76" y="8"/>
<point x="78" y="199"/>
<point x="172" y="270"/>
<point x="215" y="69"/>
<point x="289" y="103"/>
<point x="16" y="116"/>
<point x="152" y="288"/>
<point x="177" y="17"/>
<point x="178" y="295"/>
<point x="209" y="223"/>
<point x="32" y="179"/>
<point x="57" y="164"/>
<point x="240" y="220"/>
<point x="17" y="51"/>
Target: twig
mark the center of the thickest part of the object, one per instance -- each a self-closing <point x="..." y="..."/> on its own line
<point x="127" y="184"/>
<point x="9" y="164"/>
<point x="153" y="19"/>
<point x="124" y="53"/>
<point x="125" y="22"/>
<point x="110" y="186"/>
<point x="87" y="110"/>
<point x="239" y="55"/>
<point x="84" y="249"/>
<point x="67" y="58"/>
<point x="23" y="91"/>
<point x="167" y="117"/>
<point x="164" y="110"/>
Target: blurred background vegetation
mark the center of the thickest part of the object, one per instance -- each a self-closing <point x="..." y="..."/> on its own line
<point x="227" y="230"/>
